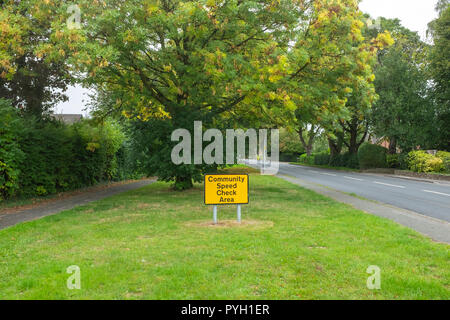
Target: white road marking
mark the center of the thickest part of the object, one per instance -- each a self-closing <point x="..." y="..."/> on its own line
<point x="390" y="185"/>
<point x="353" y="178"/>
<point x="440" y="193"/>
<point x="328" y="174"/>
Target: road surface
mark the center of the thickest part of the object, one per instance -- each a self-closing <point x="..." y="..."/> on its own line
<point x="427" y="198"/>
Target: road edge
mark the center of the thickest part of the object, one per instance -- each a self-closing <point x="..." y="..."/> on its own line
<point x="437" y="230"/>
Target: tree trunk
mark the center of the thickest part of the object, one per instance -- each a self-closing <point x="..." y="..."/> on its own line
<point x="311" y="137"/>
<point x="392" y="146"/>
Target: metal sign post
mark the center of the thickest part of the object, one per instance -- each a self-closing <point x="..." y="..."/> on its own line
<point x="226" y="189"/>
<point x="215" y="214"/>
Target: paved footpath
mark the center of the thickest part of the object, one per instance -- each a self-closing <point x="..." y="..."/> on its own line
<point x="54" y="207"/>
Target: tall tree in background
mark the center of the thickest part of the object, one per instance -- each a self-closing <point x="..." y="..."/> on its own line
<point x="31" y="76"/>
<point x="439" y="57"/>
<point x="334" y="59"/>
<point x="404" y="112"/>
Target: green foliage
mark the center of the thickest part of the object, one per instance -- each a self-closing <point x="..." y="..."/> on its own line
<point x="372" y="156"/>
<point x="420" y="161"/>
<point x="289" y="142"/>
<point x="32" y="76"/>
<point x="10" y="153"/>
<point x="347" y="159"/>
<point x="45" y="157"/>
<point x="290" y="145"/>
<point x="404" y="112"/>
<point x="152" y="145"/>
<point x="393" y="161"/>
<point x="322" y="158"/>
<point x="445" y="157"/>
<point x="439" y="58"/>
<point x="304" y="158"/>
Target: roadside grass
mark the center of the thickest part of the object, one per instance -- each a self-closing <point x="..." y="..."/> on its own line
<point x="155" y="243"/>
<point x="325" y="167"/>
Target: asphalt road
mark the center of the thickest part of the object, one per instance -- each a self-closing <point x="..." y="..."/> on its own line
<point x="427" y="198"/>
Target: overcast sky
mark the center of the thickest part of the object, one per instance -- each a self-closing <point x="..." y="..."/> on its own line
<point x="414" y="14"/>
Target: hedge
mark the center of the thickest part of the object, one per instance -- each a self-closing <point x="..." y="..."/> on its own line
<point x="46" y="156"/>
<point x="372" y="156"/>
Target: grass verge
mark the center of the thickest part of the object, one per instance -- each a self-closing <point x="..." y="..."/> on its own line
<point x="154" y="243"/>
<point x="325" y="167"/>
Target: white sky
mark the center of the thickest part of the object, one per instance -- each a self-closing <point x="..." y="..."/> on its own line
<point x="414" y="14"/>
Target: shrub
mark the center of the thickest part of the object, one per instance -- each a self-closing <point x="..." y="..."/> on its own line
<point x="350" y="160"/>
<point x="420" y="161"/>
<point x="304" y="158"/>
<point x="44" y="157"/>
<point x="322" y="158"/>
<point x="11" y="156"/>
<point x="445" y="157"/>
<point x="372" y="156"/>
<point x="393" y="161"/>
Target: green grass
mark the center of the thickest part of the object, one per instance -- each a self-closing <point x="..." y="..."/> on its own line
<point x="18" y="202"/>
<point x="325" y="167"/>
<point x="154" y="243"/>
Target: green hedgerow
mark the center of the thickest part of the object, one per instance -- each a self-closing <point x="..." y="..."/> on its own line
<point x="372" y="156"/>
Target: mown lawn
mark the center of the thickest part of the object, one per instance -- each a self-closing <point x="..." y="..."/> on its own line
<point x="155" y="243"/>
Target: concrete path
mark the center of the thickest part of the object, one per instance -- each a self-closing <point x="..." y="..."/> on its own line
<point x="54" y="207"/>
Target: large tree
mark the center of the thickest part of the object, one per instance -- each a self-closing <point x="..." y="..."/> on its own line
<point x="32" y="75"/>
<point x="404" y="112"/>
<point x="334" y="84"/>
<point x="440" y="72"/>
<point x="168" y="63"/>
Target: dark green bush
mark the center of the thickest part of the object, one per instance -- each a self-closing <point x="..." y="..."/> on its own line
<point x="288" y="157"/>
<point x="350" y="160"/>
<point x="322" y="158"/>
<point x="39" y="157"/>
<point x="11" y="156"/>
<point x="372" y="156"/>
<point x="393" y="161"/>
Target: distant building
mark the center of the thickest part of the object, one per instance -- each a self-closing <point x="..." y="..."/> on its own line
<point x="68" y="118"/>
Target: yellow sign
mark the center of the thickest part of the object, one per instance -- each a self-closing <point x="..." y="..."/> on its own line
<point x="226" y="189"/>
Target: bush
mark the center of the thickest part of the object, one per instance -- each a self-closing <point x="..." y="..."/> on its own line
<point x="393" y="161"/>
<point x="304" y="158"/>
<point x="350" y="160"/>
<point x="44" y="157"/>
<point x="445" y="157"/>
<point x="372" y="156"/>
<point x="420" y="161"/>
<point x="322" y="158"/>
<point x="11" y="156"/>
<point x="288" y="157"/>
